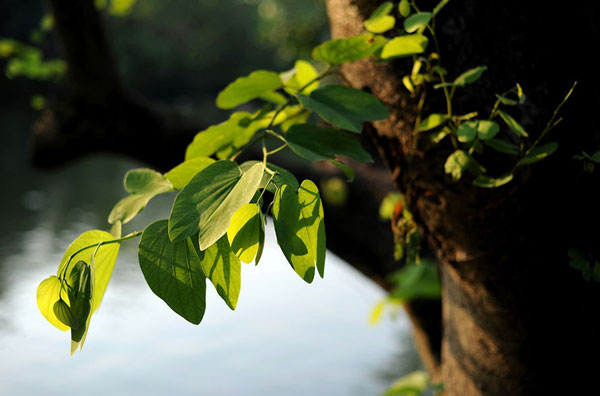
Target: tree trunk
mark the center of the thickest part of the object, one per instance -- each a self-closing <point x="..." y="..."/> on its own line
<point x="515" y="315"/>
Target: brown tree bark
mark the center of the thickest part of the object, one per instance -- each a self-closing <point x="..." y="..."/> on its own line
<point x="515" y="316"/>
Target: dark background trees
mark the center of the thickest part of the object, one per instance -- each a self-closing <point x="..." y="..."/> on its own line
<point x="502" y="252"/>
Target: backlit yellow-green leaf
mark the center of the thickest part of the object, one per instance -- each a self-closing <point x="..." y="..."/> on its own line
<point x="246" y="232"/>
<point x="48" y="293"/>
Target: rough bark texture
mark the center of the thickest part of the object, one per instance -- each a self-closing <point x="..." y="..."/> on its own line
<point x="515" y="316"/>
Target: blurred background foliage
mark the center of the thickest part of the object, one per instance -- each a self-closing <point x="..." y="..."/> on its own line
<point x="178" y="51"/>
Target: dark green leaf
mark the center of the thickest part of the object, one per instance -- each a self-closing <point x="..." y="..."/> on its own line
<point x="502" y="146"/>
<point x="247" y="88"/>
<point x="404" y="46"/>
<point x="348" y="171"/>
<point x="416" y="21"/>
<point x="467" y="131"/>
<point x="538" y="153"/>
<point x="64" y="314"/>
<point x="344" y="107"/>
<point x="415" y="281"/>
<point x="223" y="268"/>
<point x="349" y="49"/>
<point x="507" y="101"/>
<point x="173" y="271"/>
<point x="491" y="182"/>
<point x="594" y="157"/>
<point x="470" y="76"/>
<point x="315" y="143"/>
<point x="206" y="204"/>
<point x="300" y="229"/>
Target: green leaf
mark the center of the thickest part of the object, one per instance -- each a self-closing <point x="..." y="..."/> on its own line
<point x="380" y="21"/>
<point x="467" y="131"/>
<point x="280" y="178"/>
<point x="432" y="121"/>
<point x="538" y="153"/>
<point x="404" y="8"/>
<point x="247" y="88"/>
<point x="143" y="184"/>
<point x="181" y="175"/>
<point x="142" y="181"/>
<point x="300" y="229"/>
<point x="349" y="49"/>
<point x="129" y="207"/>
<point x="417" y="21"/>
<point x="487" y="129"/>
<point x="315" y="143"/>
<point x="273" y="97"/>
<point x="103" y="262"/>
<point x="218" y="137"/>
<point x="404" y="46"/>
<point x="344" y="107"/>
<point x="206" y="204"/>
<point x="507" y="101"/>
<point x="64" y="314"/>
<point x="303" y="73"/>
<point x="173" y="271"/>
<point x="594" y="157"/>
<point x="246" y="233"/>
<point x="223" y="268"/>
<point x="502" y="146"/>
<point x="416" y="281"/>
<point x="80" y="278"/>
<point x="412" y="384"/>
<point x="460" y="161"/>
<point x="346" y="170"/>
<point x="491" y="182"/>
<point x="513" y="124"/>
<point x="48" y="293"/>
<point x="470" y="76"/>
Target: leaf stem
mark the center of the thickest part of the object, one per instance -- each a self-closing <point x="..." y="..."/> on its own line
<point x="97" y="246"/>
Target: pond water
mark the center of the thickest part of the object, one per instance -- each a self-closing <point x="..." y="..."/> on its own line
<point x="285" y="338"/>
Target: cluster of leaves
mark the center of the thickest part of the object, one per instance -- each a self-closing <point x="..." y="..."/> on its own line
<point x="218" y="215"/>
<point x="27" y="60"/>
<point x="470" y="133"/>
<point x="418" y="278"/>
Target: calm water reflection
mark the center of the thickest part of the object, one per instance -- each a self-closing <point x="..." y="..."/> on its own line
<point x="285" y="338"/>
